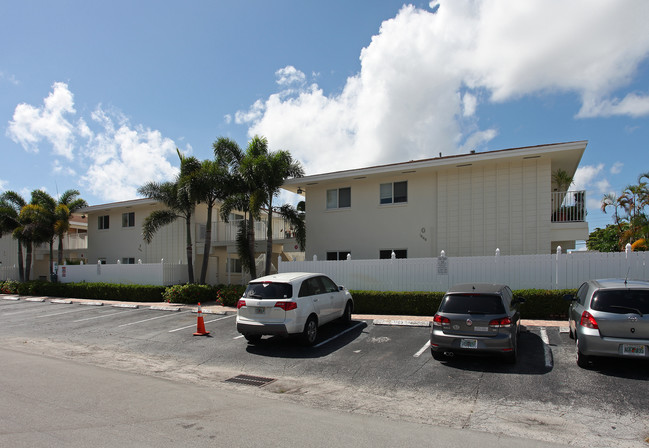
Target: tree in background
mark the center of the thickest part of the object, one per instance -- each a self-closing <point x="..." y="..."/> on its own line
<point x="180" y="203"/>
<point x="11" y="203"/>
<point x="631" y="223"/>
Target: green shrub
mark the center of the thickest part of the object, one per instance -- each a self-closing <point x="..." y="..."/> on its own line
<point x="189" y="293"/>
<point x="9" y="287"/>
<point x="400" y="303"/>
<point x="544" y="304"/>
<point x="229" y="295"/>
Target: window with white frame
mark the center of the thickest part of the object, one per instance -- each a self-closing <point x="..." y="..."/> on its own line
<point x="234" y="266"/>
<point x="128" y="219"/>
<point x="394" y="192"/>
<point x="339" y="198"/>
<point x="103" y="222"/>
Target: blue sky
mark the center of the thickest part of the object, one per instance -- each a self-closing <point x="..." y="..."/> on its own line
<point x="96" y="96"/>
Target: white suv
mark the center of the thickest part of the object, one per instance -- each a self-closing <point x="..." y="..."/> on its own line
<point x="292" y="303"/>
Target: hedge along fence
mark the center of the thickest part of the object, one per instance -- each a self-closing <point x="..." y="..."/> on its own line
<point x="539" y="304"/>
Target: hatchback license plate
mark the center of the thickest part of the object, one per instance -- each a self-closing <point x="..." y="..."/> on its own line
<point x="469" y="343"/>
<point x="633" y="350"/>
<point x="260" y="310"/>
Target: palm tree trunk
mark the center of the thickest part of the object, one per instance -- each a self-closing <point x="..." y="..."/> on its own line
<point x="21" y="263"/>
<point x="60" y="251"/>
<point x="208" y="243"/>
<point x="190" y="252"/>
<point x="251" y="247"/>
<point x="28" y="261"/>
<point x="269" y="238"/>
<point x="51" y="257"/>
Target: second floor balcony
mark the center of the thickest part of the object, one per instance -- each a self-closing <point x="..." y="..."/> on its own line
<point x="226" y="232"/>
<point x="569" y="206"/>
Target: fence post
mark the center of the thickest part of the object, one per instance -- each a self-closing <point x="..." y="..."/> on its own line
<point x="315" y="257"/>
<point x="349" y="257"/>
<point x="557" y="267"/>
<point x="627" y="250"/>
<point x="279" y="261"/>
<point x="497" y="270"/>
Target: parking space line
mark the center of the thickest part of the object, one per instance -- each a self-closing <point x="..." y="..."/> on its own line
<point x="238" y="337"/>
<point x="422" y="350"/>
<point x="206" y="322"/>
<point x="338" y="335"/>
<point x="99" y="317"/>
<point x="151" y="318"/>
<point x="31" y="310"/>
<point x="546" y="347"/>
<point x="63" y="312"/>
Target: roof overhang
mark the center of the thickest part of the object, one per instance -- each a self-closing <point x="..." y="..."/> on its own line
<point x="117" y="205"/>
<point x="562" y="155"/>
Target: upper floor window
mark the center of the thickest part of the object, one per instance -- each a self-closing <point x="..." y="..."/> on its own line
<point x="339" y="198"/>
<point x="103" y="222"/>
<point x="394" y="192"/>
<point x="128" y="219"/>
<point x="398" y="253"/>
<point x="128" y="260"/>
<point x="335" y="256"/>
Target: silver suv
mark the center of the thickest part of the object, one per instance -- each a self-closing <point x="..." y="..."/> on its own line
<point x="477" y="318"/>
<point x="610" y="318"/>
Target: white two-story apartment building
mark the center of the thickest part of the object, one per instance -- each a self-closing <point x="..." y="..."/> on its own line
<point x="466" y="205"/>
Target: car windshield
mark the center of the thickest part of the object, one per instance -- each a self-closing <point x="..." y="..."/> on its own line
<point x="622" y="301"/>
<point x="268" y="290"/>
<point x="472" y="304"/>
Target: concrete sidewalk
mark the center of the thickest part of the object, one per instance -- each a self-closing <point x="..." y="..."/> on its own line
<point x="213" y="308"/>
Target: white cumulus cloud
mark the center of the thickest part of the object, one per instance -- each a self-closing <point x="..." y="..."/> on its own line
<point x="424" y="74"/>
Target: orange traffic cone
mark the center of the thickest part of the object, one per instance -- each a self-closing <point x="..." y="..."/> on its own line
<point x="200" y="325"/>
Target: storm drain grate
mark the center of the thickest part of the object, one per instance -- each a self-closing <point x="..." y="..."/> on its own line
<point x="250" y="380"/>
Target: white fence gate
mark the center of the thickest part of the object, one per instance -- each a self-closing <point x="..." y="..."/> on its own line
<point x="557" y="271"/>
<point x="9" y="273"/>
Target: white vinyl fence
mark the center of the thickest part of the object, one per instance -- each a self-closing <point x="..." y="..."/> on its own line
<point x="9" y="273"/>
<point x="160" y="274"/>
<point x="556" y="271"/>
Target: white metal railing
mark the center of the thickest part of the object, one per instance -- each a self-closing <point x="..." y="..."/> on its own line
<point x="226" y="232"/>
<point x="548" y="271"/>
<point x="569" y="206"/>
<point x="75" y="241"/>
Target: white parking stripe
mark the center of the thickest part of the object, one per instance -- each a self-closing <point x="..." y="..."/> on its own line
<point x="546" y="347"/>
<point x="422" y="350"/>
<point x="64" y="312"/>
<point x="238" y="337"/>
<point x="151" y="318"/>
<point x="338" y="335"/>
<point x="100" y="317"/>
<point x="206" y="322"/>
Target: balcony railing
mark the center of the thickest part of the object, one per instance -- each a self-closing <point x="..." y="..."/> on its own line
<point x="78" y="241"/>
<point x="226" y="232"/>
<point x="569" y="206"/>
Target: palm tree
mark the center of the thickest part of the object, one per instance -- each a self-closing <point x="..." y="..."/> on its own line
<point x="276" y="167"/>
<point x="67" y="204"/>
<point x="208" y="185"/>
<point x="34" y="229"/>
<point x="245" y="178"/>
<point x="47" y="215"/>
<point x="562" y="179"/>
<point x="11" y="203"/>
<point x="180" y="203"/>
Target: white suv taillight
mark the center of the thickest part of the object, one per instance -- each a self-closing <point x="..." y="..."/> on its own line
<point x="286" y="306"/>
<point x="241" y="303"/>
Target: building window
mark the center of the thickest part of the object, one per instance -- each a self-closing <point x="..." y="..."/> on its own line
<point x="339" y="198"/>
<point x="101" y="260"/>
<point x="334" y="256"/>
<point x="234" y="266"/>
<point x="128" y="219"/>
<point x="103" y="222"/>
<point x="394" y="193"/>
<point x="128" y="260"/>
<point x="387" y="254"/>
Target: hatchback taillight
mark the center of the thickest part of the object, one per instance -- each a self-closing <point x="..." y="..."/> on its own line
<point x="241" y="303"/>
<point x="286" y="306"/>
<point x="500" y="323"/>
<point x="588" y="321"/>
<point x="441" y="320"/>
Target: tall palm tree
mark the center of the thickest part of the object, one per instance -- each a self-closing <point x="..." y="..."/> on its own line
<point x="180" y="203"/>
<point x="67" y="204"/>
<point x="245" y="178"/>
<point x="34" y="229"/>
<point x="208" y="185"/>
<point x="276" y="168"/>
<point x="11" y="203"/>
<point x="48" y="219"/>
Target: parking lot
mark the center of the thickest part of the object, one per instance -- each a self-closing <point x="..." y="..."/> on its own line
<point x="369" y="366"/>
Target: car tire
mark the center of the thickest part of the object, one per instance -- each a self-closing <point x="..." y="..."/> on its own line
<point x="347" y="314"/>
<point x="582" y="360"/>
<point x="437" y="356"/>
<point x="253" y="338"/>
<point x="310" y="333"/>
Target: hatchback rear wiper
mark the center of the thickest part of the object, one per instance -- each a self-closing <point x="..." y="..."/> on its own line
<point x="256" y="296"/>
<point x="476" y="312"/>
<point x="635" y="310"/>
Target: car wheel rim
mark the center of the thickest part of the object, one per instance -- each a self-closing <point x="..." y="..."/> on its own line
<point x="311" y="331"/>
